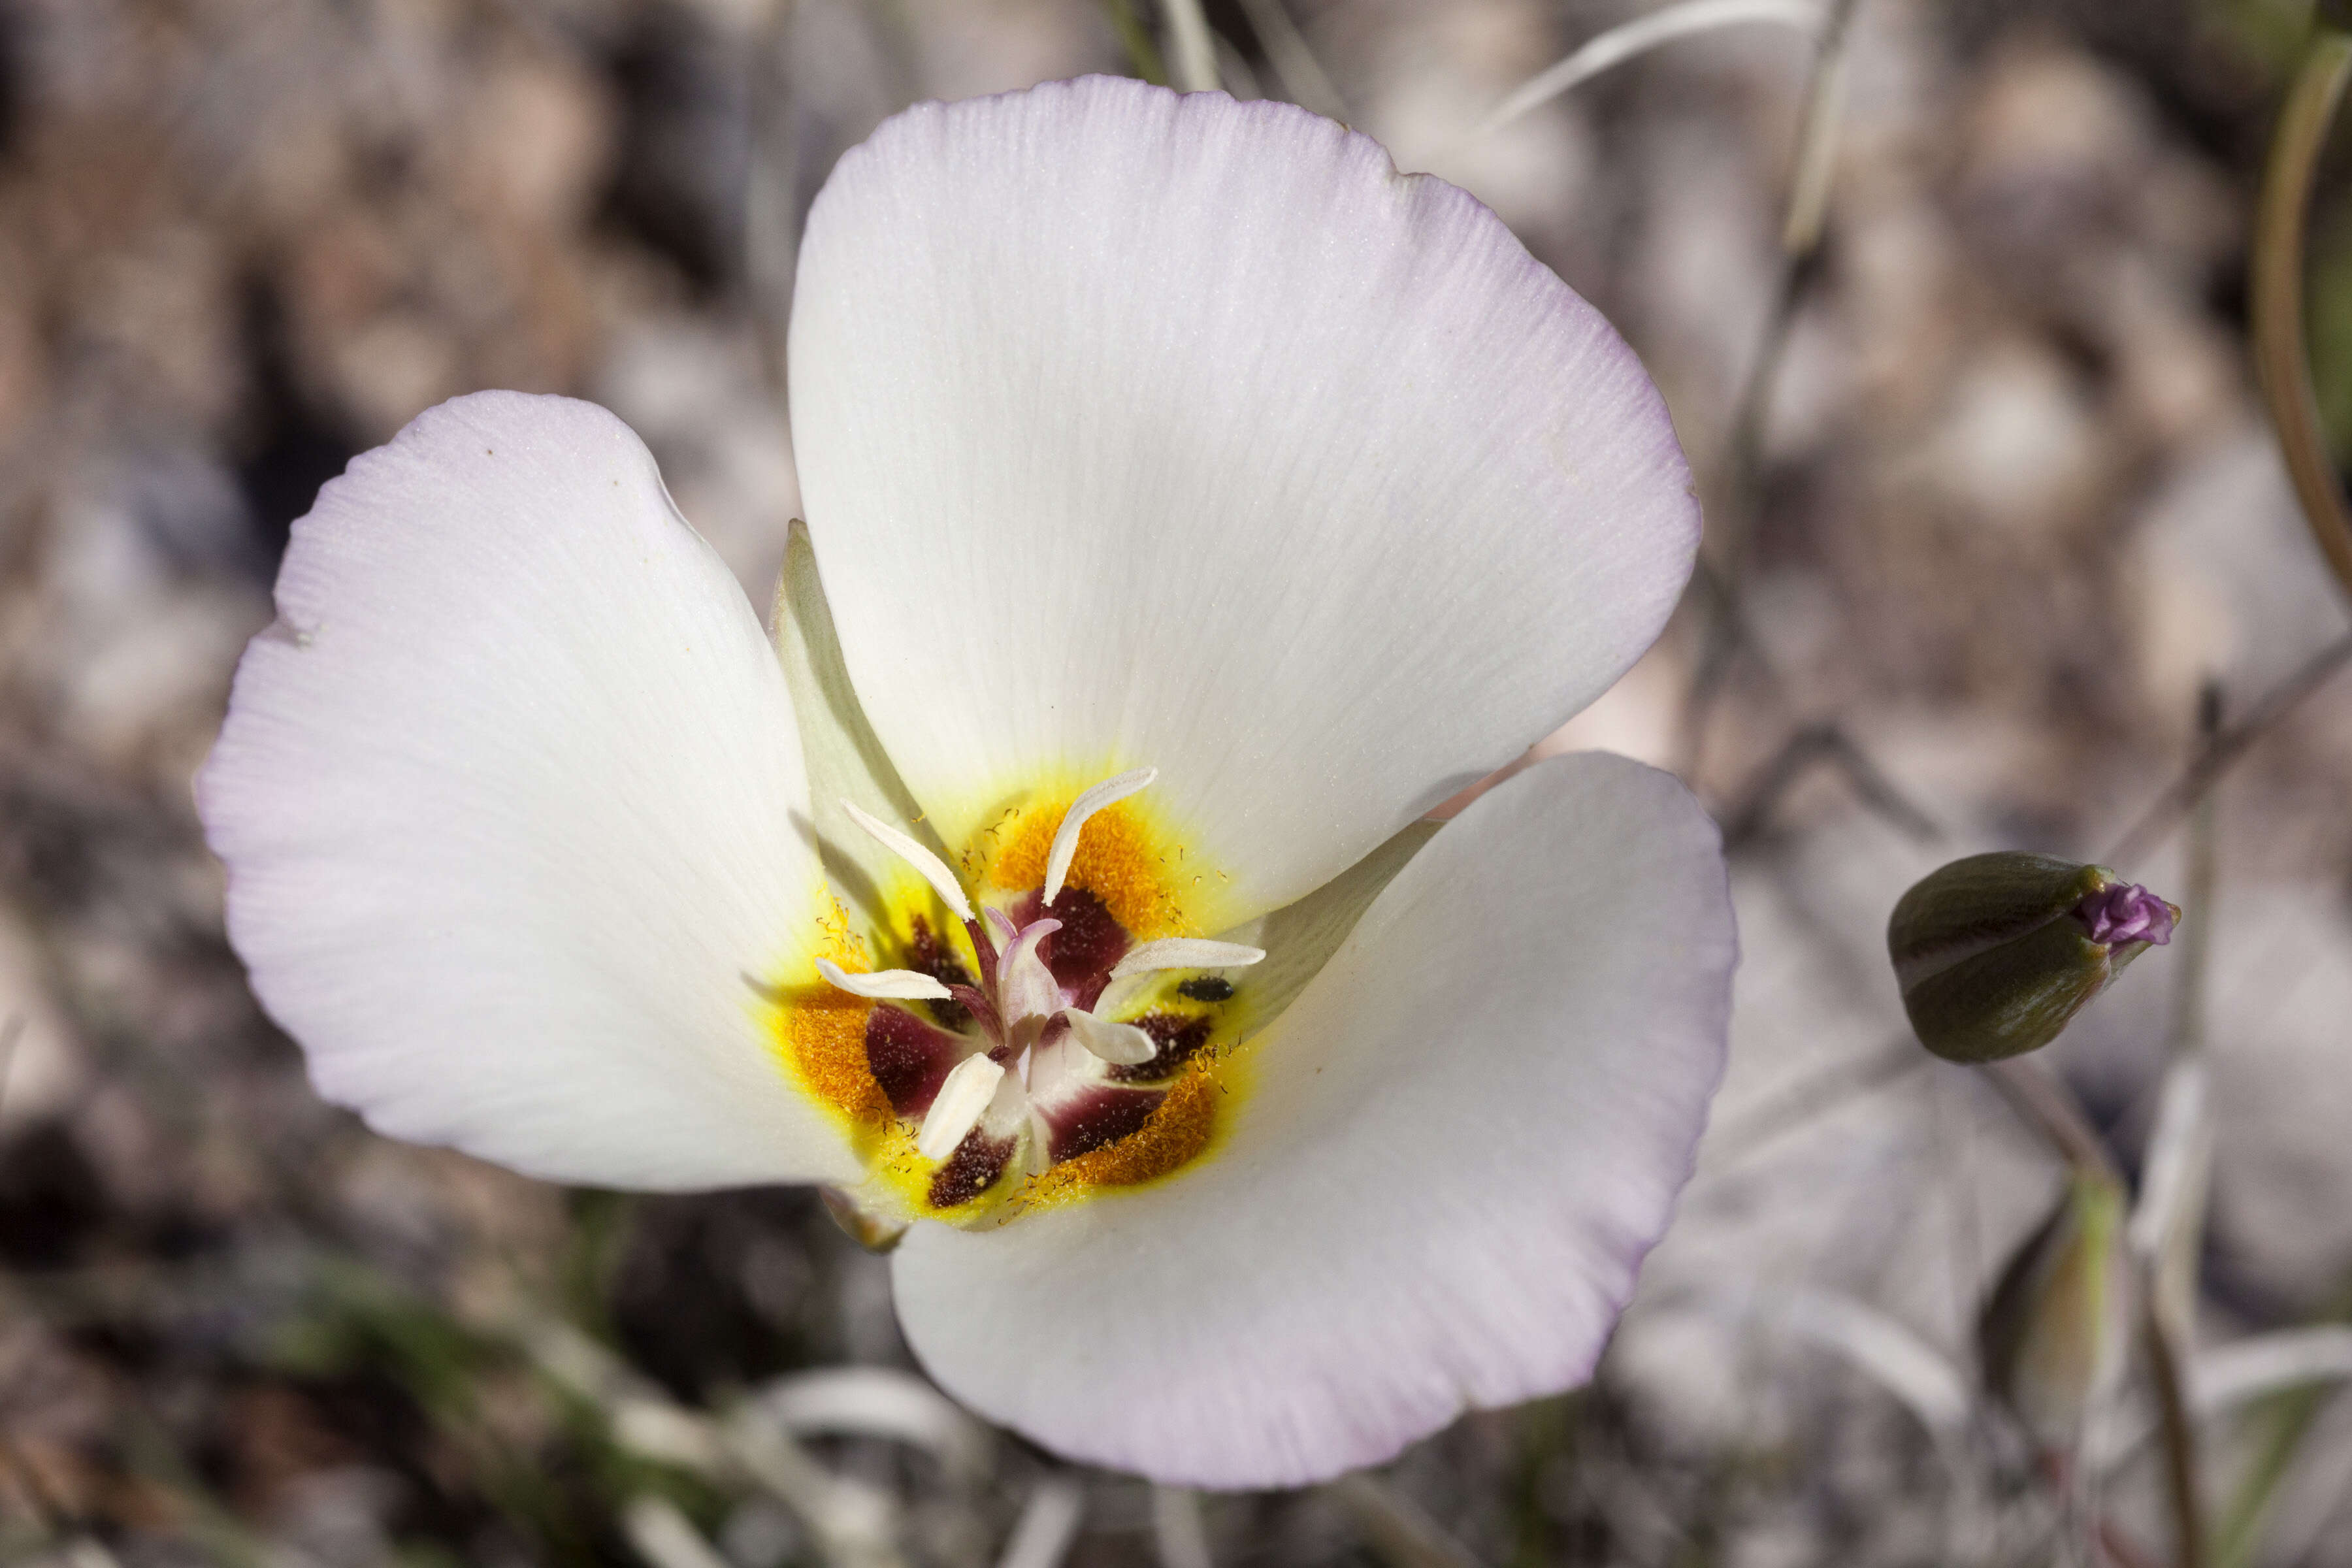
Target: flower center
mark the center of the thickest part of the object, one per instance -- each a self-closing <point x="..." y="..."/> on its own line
<point x="1053" y="1049"/>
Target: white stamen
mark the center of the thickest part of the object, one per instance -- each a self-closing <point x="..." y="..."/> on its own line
<point x="1185" y="952"/>
<point x="1121" y="1045"/>
<point x="1005" y="929"/>
<point x="1025" y="988"/>
<point x="1065" y="838"/>
<point x="962" y="1101"/>
<point x="934" y="869"/>
<point x="883" y="984"/>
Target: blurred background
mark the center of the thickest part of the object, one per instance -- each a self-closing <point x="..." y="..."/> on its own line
<point x="2009" y="504"/>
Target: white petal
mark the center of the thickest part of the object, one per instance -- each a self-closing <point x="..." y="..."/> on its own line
<point x="1140" y="429"/>
<point x="507" y="800"/>
<point x="883" y="984"/>
<point x="1121" y="1045"/>
<point x="1451" y="1155"/>
<point x="1110" y="792"/>
<point x="962" y="1100"/>
<point x="1184" y="953"/>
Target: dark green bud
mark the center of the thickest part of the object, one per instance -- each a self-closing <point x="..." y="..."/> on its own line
<point x="1996" y="953"/>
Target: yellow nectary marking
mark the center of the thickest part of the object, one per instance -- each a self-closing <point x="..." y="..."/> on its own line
<point x="1120" y="860"/>
<point x="1180" y="1128"/>
<point x="823" y="1033"/>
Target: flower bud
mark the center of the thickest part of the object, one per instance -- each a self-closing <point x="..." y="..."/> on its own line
<point x="2052" y="1336"/>
<point x="1996" y="953"/>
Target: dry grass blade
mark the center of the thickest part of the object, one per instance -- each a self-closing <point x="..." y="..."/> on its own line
<point x="2222" y="1380"/>
<point x="1302" y="75"/>
<point x="1193" y="51"/>
<point x="1403" y="1535"/>
<point x="1048" y="1524"/>
<point x="665" y="1538"/>
<point x="2223" y="749"/>
<point x="879" y="1402"/>
<point x="1623" y="42"/>
<point x="856" y="1524"/>
<point x="1178" y="1530"/>
<point x="1922" y="1379"/>
<point x="2226" y="1377"/>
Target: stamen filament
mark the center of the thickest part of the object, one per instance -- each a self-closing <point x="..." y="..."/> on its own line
<point x="976" y="1002"/>
<point x="1074" y="822"/>
<point x="984" y="950"/>
<point x="883" y="984"/>
<point x="934" y="869"/>
<point x="1184" y="953"/>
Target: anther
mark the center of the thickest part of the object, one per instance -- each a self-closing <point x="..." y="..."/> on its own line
<point x="1073" y="821"/>
<point x="934" y="869"/>
<point x="962" y="1100"/>
<point x="1121" y="1045"/>
<point x="883" y="984"/>
<point x="1184" y="953"/>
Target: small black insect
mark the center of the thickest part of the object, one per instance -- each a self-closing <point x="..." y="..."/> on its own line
<point x="1206" y="988"/>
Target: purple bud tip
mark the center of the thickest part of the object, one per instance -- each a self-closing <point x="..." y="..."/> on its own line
<point x="2125" y="913"/>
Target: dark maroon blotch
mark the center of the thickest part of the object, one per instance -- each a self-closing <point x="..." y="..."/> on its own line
<point x="1179" y="1036"/>
<point x="1081" y="953"/>
<point x="908" y="1058"/>
<point x="970" y="1171"/>
<point x="928" y="954"/>
<point x="1101" y="1117"/>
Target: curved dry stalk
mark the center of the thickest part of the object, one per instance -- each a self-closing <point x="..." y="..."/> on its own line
<point x="1623" y="42"/>
<point x="2223" y="749"/>
<point x="1395" y="1528"/>
<point x="1049" y="1522"/>
<point x="2280" y="360"/>
<point x="10" y="1033"/>
<point x="664" y="1537"/>
<point x="1178" y="1532"/>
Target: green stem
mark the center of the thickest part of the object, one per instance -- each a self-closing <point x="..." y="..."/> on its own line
<point x="2282" y="360"/>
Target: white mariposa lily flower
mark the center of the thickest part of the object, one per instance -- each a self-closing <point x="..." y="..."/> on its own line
<point x="1199" y="502"/>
